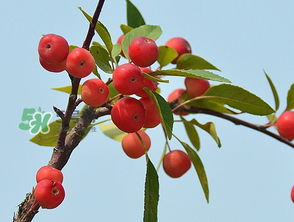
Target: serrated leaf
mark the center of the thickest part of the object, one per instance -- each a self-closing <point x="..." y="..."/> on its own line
<point x="111" y="131"/>
<point x="191" y="73"/>
<point x="150" y="31"/>
<point x="209" y="127"/>
<point x="191" y="133"/>
<point x="238" y="98"/>
<point x="166" y="55"/>
<point x="151" y="193"/>
<point x="50" y="139"/>
<point x="134" y="17"/>
<point x="190" y="61"/>
<point x="211" y="105"/>
<point x="101" y="30"/>
<point x="198" y="165"/>
<point x="101" y="57"/>
<point x="290" y="98"/>
<point x="125" y="28"/>
<point x="67" y="89"/>
<point x="274" y="91"/>
<point x="166" y="116"/>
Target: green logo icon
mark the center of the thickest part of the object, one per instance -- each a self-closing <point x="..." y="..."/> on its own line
<point x="35" y="121"/>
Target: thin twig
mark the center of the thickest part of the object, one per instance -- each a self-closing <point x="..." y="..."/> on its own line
<point x="239" y="122"/>
<point x="108" y="81"/>
<point x="78" y="101"/>
<point x="58" y="112"/>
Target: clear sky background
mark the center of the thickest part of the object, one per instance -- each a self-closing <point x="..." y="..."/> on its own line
<point x="250" y="177"/>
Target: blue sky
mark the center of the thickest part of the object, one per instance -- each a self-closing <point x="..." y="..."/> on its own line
<point x="250" y="177"/>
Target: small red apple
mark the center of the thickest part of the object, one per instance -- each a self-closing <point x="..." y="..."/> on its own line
<point x="176" y="163"/>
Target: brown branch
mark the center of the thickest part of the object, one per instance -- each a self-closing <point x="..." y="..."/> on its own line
<point x="78" y="102"/>
<point x="58" y="112"/>
<point x="91" y="31"/>
<point x="66" y="141"/>
<point x="237" y="121"/>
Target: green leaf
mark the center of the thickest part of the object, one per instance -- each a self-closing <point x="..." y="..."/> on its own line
<point x="125" y="29"/>
<point x="101" y="58"/>
<point x="134" y="17"/>
<point x="238" y="98"/>
<point x="209" y="127"/>
<point x="151" y="193"/>
<point x="274" y="91"/>
<point x="112" y="91"/>
<point x="166" y="55"/>
<point x="211" y="105"/>
<point x="166" y="115"/>
<point x="272" y="118"/>
<point x="110" y="130"/>
<point x="115" y="50"/>
<point x="96" y="73"/>
<point x="189" y="61"/>
<point x="192" y="133"/>
<point x="150" y="31"/>
<point x="71" y="47"/>
<point x="191" y="73"/>
<point x="198" y="165"/>
<point x="67" y="89"/>
<point x="147" y="76"/>
<point x="290" y="98"/>
<point x="50" y="139"/>
<point x="101" y="30"/>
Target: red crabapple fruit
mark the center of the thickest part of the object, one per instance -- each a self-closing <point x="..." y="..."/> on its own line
<point x="133" y="146"/>
<point x="292" y="194"/>
<point x="285" y="125"/>
<point x="80" y="63"/>
<point x="179" y="44"/>
<point x="49" y="194"/>
<point x="128" y="79"/>
<point x="128" y="114"/>
<point x="53" y="48"/>
<point x="50" y="173"/>
<point x="52" y="67"/>
<point x="143" y="51"/>
<point x="94" y="92"/>
<point x="152" y="117"/>
<point x="196" y="87"/>
<point x="177" y="94"/>
<point x="176" y="163"/>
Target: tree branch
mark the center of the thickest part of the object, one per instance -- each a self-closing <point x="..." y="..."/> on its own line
<point x="237" y="121"/>
<point x="66" y="142"/>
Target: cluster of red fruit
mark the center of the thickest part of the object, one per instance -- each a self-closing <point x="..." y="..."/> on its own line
<point x="55" y="56"/>
<point x="128" y="114"/>
<point x="49" y="192"/>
